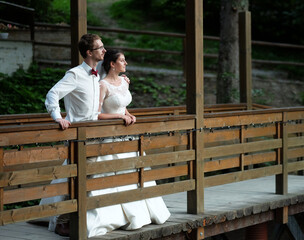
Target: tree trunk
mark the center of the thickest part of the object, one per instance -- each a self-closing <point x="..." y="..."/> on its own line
<point x="228" y="61"/>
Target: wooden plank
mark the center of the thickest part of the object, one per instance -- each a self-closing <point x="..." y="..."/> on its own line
<point x="296" y="141"/>
<point x="295" y="153"/>
<point x="133" y="177"/>
<point x="241" y="176"/>
<point x="139" y="162"/>
<point x="262" y="131"/>
<point x="295" y="166"/>
<point x="112" y="181"/>
<point x="27" y="166"/>
<point x="35" y="154"/>
<point x="242" y="120"/>
<point x="37" y="175"/>
<point x="38" y="136"/>
<point x="221" y="135"/>
<point x="295" y="128"/>
<point x="31" y="193"/>
<point x="296" y="115"/>
<point x="132" y="146"/>
<point x="220" y="151"/>
<point x="138" y="194"/>
<point x="233" y="134"/>
<point x="233" y="162"/>
<point x="139" y="128"/>
<point x="35" y="212"/>
<point x="165" y="173"/>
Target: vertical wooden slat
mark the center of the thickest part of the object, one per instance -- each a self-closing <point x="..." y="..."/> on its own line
<point x="72" y="161"/>
<point x="282" y="179"/>
<point x="195" y="96"/>
<point x="190" y="146"/>
<point x="1" y="171"/>
<point x="245" y="58"/>
<point x="78" y="28"/>
<point x="300" y="172"/>
<point x="78" y="223"/>
<point x="141" y="153"/>
<point x="278" y="136"/>
<point x="242" y="154"/>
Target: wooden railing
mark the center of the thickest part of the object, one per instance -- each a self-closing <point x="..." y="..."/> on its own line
<point x="153" y="111"/>
<point x="238" y="146"/>
<point x="251" y="144"/>
<point x="32" y="155"/>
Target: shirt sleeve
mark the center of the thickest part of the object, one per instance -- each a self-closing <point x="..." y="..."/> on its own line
<point x="66" y="85"/>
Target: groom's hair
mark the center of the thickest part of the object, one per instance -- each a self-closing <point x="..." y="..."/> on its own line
<point x="86" y="43"/>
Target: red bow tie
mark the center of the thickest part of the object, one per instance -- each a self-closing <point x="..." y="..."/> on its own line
<point x="94" y="72"/>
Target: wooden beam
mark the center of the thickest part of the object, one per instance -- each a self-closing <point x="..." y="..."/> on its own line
<point x="78" y="28"/>
<point x="281" y="215"/>
<point x="245" y="58"/>
<point x="282" y="179"/>
<point x="78" y="224"/>
<point x="195" y="95"/>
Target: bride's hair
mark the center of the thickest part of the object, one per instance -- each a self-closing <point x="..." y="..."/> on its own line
<point x="110" y="56"/>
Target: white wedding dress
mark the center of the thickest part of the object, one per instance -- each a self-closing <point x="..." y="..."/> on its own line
<point x="132" y="215"/>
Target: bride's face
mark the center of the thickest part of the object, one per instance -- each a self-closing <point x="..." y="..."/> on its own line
<point x="120" y="64"/>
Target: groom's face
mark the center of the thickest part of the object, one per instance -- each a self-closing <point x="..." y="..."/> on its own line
<point x="98" y="51"/>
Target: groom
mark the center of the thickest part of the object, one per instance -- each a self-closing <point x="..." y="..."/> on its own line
<point x="79" y="86"/>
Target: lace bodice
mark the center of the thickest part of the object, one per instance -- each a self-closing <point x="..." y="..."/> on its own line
<point x="117" y="97"/>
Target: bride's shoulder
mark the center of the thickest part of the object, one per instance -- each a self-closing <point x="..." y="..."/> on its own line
<point x="103" y="83"/>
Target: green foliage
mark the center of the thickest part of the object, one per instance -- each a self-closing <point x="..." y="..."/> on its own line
<point x="25" y="91"/>
<point x="157" y="10"/>
<point x="21" y="204"/>
<point x="302" y="98"/>
<point x="150" y="91"/>
<point x="259" y="96"/>
<point x="278" y="21"/>
<point x="53" y="11"/>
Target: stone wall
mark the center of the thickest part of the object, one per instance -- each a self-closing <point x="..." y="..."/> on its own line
<point x="14" y="55"/>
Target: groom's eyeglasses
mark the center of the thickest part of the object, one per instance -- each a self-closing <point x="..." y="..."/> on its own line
<point x="101" y="48"/>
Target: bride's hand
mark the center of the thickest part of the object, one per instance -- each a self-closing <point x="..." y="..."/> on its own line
<point x="133" y="119"/>
<point x="126" y="78"/>
<point x="127" y="120"/>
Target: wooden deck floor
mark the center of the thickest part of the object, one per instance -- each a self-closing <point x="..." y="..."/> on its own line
<point x="222" y="203"/>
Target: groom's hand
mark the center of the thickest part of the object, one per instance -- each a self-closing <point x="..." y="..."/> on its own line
<point x="64" y="124"/>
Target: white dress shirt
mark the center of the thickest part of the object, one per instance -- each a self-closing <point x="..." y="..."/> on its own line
<point x="80" y="90"/>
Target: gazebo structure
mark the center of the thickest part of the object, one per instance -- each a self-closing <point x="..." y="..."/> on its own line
<point x="202" y="155"/>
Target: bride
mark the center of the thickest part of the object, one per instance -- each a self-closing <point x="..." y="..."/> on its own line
<point x="114" y="98"/>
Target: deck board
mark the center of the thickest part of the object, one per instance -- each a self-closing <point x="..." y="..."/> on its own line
<point x="222" y="203"/>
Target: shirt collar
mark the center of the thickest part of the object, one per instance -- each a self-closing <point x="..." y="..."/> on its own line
<point x="86" y="67"/>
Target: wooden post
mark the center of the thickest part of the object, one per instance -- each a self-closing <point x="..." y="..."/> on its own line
<point x="245" y="58"/>
<point x="1" y="171"/>
<point x="282" y="179"/>
<point x="195" y="96"/>
<point x="78" y="28"/>
<point x="78" y="224"/>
